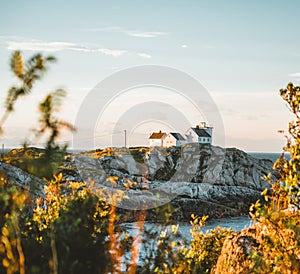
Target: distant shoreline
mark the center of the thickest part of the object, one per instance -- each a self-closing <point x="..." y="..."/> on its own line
<point x="273" y="156"/>
<point x="70" y="150"/>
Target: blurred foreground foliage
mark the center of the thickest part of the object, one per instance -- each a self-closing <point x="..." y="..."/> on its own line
<point x="45" y="163"/>
<point x="279" y="240"/>
<point x="71" y="228"/>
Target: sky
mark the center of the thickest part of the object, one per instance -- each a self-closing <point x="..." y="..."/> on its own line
<point x="242" y="52"/>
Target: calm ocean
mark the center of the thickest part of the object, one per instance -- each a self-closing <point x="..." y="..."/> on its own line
<point x="266" y="155"/>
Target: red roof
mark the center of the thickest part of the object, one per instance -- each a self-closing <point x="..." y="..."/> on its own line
<point x="157" y="135"/>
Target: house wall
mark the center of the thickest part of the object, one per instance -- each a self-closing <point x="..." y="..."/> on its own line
<point x="169" y="141"/>
<point x="155" y="142"/>
<point x="204" y="140"/>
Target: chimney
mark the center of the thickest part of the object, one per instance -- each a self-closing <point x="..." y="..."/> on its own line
<point x="202" y="124"/>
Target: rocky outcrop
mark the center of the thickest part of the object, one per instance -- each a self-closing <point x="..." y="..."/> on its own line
<point x="199" y="179"/>
<point x="18" y="177"/>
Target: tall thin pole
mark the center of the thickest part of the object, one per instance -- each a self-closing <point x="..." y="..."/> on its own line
<point x="125" y="135"/>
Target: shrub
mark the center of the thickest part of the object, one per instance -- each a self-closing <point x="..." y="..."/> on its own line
<point x="279" y="249"/>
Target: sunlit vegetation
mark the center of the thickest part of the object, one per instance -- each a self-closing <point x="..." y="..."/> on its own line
<point x="272" y="245"/>
<point x="137" y="153"/>
<point x="279" y="242"/>
<point x="72" y="228"/>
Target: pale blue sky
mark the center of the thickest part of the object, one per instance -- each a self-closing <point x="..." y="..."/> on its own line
<point x="243" y="52"/>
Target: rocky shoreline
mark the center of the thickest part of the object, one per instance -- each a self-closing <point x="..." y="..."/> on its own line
<point x="192" y="179"/>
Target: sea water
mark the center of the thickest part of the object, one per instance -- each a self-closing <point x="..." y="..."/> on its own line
<point x="235" y="223"/>
<point x="149" y="245"/>
<point x="266" y="155"/>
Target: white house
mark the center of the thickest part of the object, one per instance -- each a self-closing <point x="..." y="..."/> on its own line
<point x="157" y="138"/>
<point x="201" y="134"/>
<point x="173" y="139"/>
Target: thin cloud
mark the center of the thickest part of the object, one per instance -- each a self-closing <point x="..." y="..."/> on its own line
<point x="144" y="55"/>
<point x="184" y="46"/>
<point x="296" y="74"/>
<point x="146" y="34"/>
<point x="112" y="52"/>
<point x="60" y="46"/>
<point x="132" y="33"/>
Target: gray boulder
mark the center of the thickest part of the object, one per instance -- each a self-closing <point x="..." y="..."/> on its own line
<point x="18" y="177"/>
